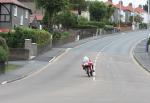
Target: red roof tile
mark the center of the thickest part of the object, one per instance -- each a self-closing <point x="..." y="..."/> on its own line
<point x="129" y="8"/>
<point x="4" y="30"/>
<point x="16" y="2"/>
<point x="37" y="17"/>
<point x="139" y="10"/>
<point x="120" y="7"/>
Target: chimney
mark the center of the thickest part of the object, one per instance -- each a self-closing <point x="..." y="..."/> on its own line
<point x="130" y="4"/>
<point x="121" y="2"/>
<point x="140" y="6"/>
<point x="110" y="1"/>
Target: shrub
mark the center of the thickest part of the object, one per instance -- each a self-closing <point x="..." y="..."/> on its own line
<point x="3" y="54"/>
<point x="65" y="34"/>
<point x="3" y="50"/>
<point x="82" y="20"/>
<point x="143" y="26"/>
<point x="97" y="24"/>
<point x="3" y="43"/>
<point x="60" y="35"/>
<point x="67" y="19"/>
<point x="108" y="27"/>
<point x="148" y="41"/>
<point x="16" y="39"/>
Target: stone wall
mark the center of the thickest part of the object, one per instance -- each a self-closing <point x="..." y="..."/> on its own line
<point x="18" y="54"/>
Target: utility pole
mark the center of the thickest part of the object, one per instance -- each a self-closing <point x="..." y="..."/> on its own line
<point x="119" y="13"/>
<point x="133" y="21"/>
<point x="148" y="14"/>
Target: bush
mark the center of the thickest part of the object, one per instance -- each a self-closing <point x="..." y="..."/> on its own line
<point x="67" y="19"/>
<point x="86" y="27"/>
<point x="82" y="20"/>
<point x="3" y="54"/>
<point x="60" y="35"/>
<point x="16" y="39"/>
<point x="143" y="26"/>
<point x="148" y="41"/>
<point x="3" y="50"/>
<point x="108" y="27"/>
<point x="97" y="24"/>
<point x="3" y="43"/>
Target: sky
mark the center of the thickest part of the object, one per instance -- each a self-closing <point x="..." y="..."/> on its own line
<point x="126" y="2"/>
<point x="135" y="2"/>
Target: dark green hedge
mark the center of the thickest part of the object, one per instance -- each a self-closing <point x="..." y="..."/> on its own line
<point x="149" y="41"/>
<point x="17" y="38"/>
<point x="3" y="50"/>
<point x="85" y="27"/>
<point x="108" y="27"/>
<point x="143" y="26"/>
<point x="60" y="35"/>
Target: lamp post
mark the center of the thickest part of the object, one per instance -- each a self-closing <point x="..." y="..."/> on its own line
<point x="133" y="21"/>
<point x="119" y="14"/>
<point x="148" y="14"/>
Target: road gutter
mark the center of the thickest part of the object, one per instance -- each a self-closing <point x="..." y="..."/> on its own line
<point x="135" y="60"/>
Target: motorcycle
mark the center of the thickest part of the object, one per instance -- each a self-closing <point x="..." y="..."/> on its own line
<point x="88" y="70"/>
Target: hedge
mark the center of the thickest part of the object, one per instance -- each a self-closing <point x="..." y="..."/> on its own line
<point x="3" y="50"/>
<point x="149" y="41"/>
<point x="16" y="39"/>
<point x="85" y="27"/>
<point x="108" y="27"/>
<point x="60" y="35"/>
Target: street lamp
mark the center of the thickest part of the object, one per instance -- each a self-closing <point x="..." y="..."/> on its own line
<point x="119" y="13"/>
<point x="148" y="14"/>
<point x="133" y="21"/>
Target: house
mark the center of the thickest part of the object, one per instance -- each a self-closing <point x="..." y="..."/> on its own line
<point x="140" y="11"/>
<point x="13" y="14"/>
<point x="120" y="12"/>
<point x="37" y="16"/>
<point x="36" y="21"/>
<point x="129" y="11"/>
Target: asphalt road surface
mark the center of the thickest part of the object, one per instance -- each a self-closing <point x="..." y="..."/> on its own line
<point x="118" y="77"/>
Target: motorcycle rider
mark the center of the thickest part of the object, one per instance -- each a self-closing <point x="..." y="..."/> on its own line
<point x="87" y="62"/>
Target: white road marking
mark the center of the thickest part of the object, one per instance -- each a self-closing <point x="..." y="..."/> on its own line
<point x="4" y="82"/>
<point x="42" y="69"/>
<point x="97" y="56"/>
<point x="131" y="54"/>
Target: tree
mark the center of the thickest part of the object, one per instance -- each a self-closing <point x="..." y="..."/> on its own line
<point x="52" y="7"/>
<point x="145" y="7"/>
<point x="97" y="10"/>
<point x="110" y="11"/>
<point x="137" y="19"/>
<point x="67" y="19"/>
<point x="79" y="5"/>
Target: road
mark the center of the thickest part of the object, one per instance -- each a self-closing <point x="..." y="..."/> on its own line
<point x="119" y="79"/>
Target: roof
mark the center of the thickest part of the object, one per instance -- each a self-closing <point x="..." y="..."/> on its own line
<point x="4" y="30"/>
<point x="129" y="8"/>
<point x="37" y="17"/>
<point x="139" y="10"/>
<point x="16" y="2"/>
<point x="120" y="7"/>
<point x="109" y="3"/>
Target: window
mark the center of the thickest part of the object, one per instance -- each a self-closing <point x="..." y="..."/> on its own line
<point x="21" y="20"/>
<point x="26" y="14"/>
<point x="15" y="11"/>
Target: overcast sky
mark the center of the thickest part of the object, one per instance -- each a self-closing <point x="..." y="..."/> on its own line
<point x="126" y="2"/>
<point x="135" y="2"/>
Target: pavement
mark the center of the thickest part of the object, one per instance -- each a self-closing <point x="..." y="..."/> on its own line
<point x="31" y="66"/>
<point x="141" y="55"/>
